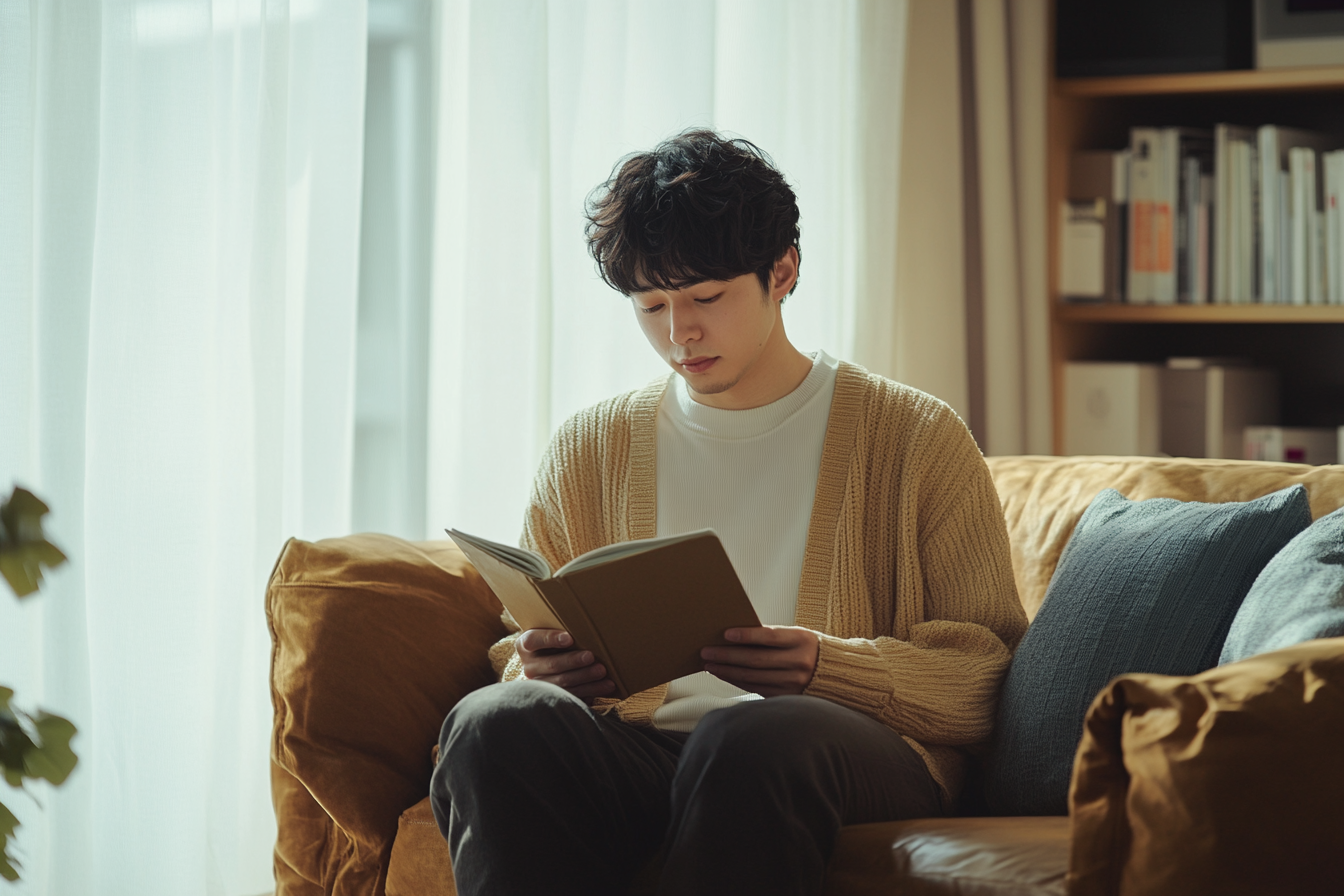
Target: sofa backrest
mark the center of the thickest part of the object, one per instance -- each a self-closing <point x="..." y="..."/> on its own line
<point x="1044" y="497"/>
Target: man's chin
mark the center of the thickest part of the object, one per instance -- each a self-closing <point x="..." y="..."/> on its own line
<point x="701" y="387"/>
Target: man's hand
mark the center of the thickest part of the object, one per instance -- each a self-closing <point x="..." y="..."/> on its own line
<point x="769" y="660"/>
<point x="548" y="654"/>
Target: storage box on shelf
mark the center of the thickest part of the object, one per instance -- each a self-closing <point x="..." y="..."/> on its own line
<point x="1305" y="344"/>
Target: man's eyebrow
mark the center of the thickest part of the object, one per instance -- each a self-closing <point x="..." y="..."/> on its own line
<point x="675" y="284"/>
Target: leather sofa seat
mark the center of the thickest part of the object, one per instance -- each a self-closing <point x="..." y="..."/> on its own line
<point x="951" y="857"/>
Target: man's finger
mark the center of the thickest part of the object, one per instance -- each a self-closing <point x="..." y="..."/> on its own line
<point x="767" y="635"/>
<point x="766" y="682"/>
<point x="752" y="657"/>
<point x="557" y="663"/>
<point x="538" y="639"/>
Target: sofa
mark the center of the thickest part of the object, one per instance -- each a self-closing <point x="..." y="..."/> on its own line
<point x="1224" y="781"/>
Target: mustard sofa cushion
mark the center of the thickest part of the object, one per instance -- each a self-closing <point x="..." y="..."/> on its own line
<point x="374" y="640"/>
<point x="1228" y="782"/>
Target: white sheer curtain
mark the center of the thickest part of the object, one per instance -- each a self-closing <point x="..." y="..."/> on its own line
<point x="179" y="199"/>
<point x="537" y="102"/>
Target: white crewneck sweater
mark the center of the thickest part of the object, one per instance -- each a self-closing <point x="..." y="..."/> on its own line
<point x="750" y="476"/>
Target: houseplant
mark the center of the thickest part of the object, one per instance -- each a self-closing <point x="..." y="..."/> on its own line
<point x="32" y="745"/>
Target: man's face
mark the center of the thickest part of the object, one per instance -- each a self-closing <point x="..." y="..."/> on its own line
<point x="721" y="336"/>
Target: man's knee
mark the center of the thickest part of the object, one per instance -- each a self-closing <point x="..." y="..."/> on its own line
<point x="758" y="738"/>
<point x="508" y="713"/>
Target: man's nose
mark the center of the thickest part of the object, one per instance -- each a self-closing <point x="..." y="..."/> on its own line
<point x="685" y="326"/>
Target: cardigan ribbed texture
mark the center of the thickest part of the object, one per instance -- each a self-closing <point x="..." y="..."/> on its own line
<point x="906" y="575"/>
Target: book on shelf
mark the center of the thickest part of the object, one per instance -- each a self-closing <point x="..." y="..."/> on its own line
<point x="1166" y="189"/>
<point x="1295" y="444"/>
<point x="644" y="608"/>
<point x="1193" y="230"/>
<point x="1332" y="164"/>
<point x="1233" y="230"/>
<point x="1274" y="144"/>
<point x="1112" y="408"/>
<point x="1082" y="255"/>
<point x="1304" y="209"/>
<point x="1149" y="216"/>
<point x="1092" y="234"/>
<point x="1208" y="402"/>
<point x="1232" y="215"/>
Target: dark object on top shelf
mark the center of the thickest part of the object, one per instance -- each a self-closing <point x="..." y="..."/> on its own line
<point x="1095" y="38"/>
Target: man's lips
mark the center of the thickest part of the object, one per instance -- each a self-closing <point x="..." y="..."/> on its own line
<point x="697" y="365"/>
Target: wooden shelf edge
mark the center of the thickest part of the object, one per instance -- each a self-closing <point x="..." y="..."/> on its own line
<point x="1258" y="80"/>
<point x="1204" y="314"/>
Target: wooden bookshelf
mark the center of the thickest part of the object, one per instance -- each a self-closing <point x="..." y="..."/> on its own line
<point x="1306" y="344"/>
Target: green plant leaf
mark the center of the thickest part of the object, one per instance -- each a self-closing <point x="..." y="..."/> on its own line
<point x="24" y="548"/>
<point x="14" y="745"/>
<point x="8" y="864"/>
<point x="53" y="759"/>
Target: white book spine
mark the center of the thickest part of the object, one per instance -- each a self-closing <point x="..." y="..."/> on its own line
<point x="1205" y="241"/>
<point x="1269" y="213"/>
<point x="1297" y="172"/>
<point x="1315" y="266"/>
<point x="1221" y="213"/>
<point x="1285" y="239"/>
<point x="1165" y="223"/>
<point x="1247" y="252"/>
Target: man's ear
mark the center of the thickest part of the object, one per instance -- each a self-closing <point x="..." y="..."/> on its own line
<point x="784" y="274"/>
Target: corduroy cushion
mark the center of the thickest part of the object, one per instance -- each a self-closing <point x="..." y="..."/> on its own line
<point x="374" y="640"/>
<point x="1143" y="586"/>
<point x="1298" y="597"/>
<point x="1229" y="782"/>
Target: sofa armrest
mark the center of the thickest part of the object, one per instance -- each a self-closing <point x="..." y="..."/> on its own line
<point x="1225" y="782"/>
<point x="374" y="640"/>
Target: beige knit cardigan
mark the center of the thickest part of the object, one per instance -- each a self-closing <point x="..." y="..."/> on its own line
<point x="906" y="572"/>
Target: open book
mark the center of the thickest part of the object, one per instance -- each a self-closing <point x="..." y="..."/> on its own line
<point x="644" y="608"/>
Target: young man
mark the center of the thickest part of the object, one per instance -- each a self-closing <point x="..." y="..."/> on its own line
<point x="861" y="519"/>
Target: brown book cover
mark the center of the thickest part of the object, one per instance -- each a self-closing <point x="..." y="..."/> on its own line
<point x="644" y="608"/>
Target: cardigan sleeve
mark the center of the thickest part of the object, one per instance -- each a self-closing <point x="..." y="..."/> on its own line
<point x="543" y="532"/>
<point x="952" y="575"/>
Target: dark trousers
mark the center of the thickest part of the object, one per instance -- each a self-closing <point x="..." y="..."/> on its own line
<point x="537" y="794"/>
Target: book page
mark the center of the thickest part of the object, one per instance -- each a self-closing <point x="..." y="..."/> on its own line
<point x="610" y="552"/>
<point x="527" y="561"/>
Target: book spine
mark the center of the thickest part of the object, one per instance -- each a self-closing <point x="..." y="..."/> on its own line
<point x="1222" y="217"/>
<point x="1297" y="173"/>
<point x="1144" y="214"/>
<point x="1268" y="138"/>
<point x="1333" y="230"/>
<point x="1244" y="249"/>
<point x="1166" y="226"/>
<point x="1117" y="280"/>
<point x="1315" y="237"/>
<point x="1196" y="158"/>
<point x="1205" y="239"/>
<point x="1285" y="239"/>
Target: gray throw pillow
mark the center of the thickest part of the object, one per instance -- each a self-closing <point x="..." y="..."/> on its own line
<point x="1297" y="597"/>
<point x="1142" y="586"/>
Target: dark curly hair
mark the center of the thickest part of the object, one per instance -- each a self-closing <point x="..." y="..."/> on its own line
<point x="696" y="207"/>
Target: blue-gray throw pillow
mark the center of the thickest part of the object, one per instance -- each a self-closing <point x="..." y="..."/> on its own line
<point x="1142" y="586"/>
<point x="1298" y="596"/>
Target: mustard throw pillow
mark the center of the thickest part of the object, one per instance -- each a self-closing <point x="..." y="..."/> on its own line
<point x="1227" y="783"/>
